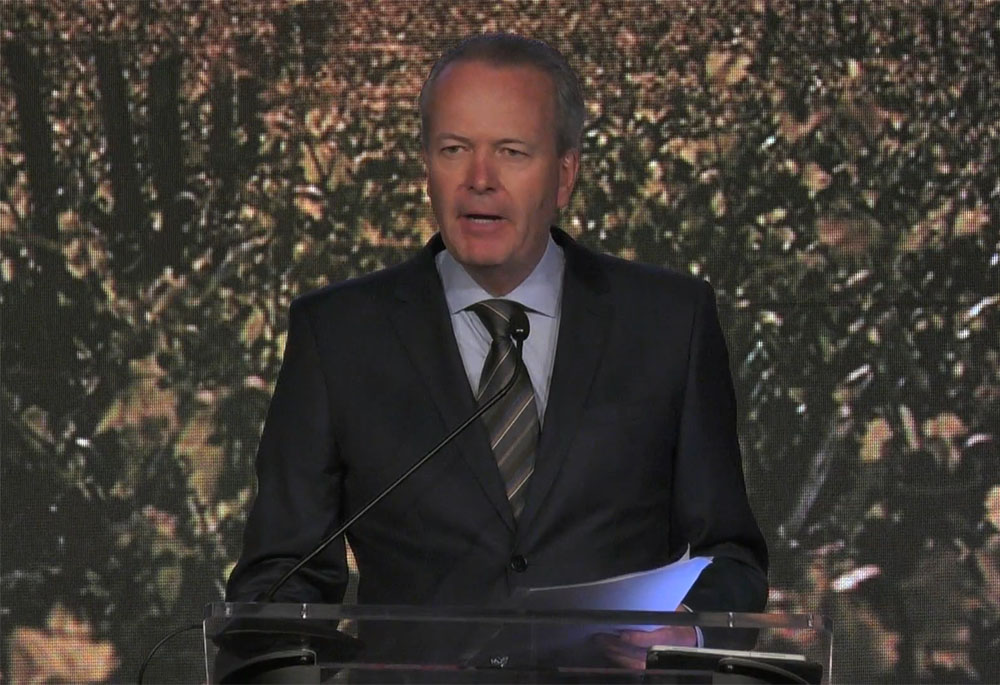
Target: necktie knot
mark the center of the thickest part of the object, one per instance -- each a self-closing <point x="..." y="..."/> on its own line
<point x="496" y="316"/>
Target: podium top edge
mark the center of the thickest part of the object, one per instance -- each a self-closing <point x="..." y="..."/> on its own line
<point x="483" y="614"/>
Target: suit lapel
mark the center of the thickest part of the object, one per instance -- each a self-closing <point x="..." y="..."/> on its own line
<point x="584" y="322"/>
<point x="420" y="317"/>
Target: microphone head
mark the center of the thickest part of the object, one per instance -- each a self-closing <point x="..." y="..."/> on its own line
<point x="519" y="328"/>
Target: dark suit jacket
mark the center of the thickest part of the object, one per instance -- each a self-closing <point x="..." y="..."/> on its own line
<point x="638" y="456"/>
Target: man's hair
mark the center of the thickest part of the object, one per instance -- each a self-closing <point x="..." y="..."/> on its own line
<point x="511" y="50"/>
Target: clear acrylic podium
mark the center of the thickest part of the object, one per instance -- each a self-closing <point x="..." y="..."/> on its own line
<point x="320" y="643"/>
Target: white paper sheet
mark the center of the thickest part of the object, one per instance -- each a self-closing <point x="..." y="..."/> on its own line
<point x="658" y="589"/>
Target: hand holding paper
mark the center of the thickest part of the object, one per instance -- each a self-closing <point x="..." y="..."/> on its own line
<point x="628" y="648"/>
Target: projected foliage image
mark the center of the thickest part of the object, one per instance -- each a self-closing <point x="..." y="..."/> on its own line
<point x="175" y="172"/>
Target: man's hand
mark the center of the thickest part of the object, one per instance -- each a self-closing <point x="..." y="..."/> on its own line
<point x="628" y="647"/>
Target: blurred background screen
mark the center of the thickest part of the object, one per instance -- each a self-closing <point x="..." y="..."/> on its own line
<point x="174" y="172"/>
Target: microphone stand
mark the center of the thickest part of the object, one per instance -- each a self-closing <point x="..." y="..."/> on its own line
<point x="519" y="332"/>
<point x="288" y="669"/>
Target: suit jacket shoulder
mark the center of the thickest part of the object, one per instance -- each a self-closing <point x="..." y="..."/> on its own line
<point x="412" y="275"/>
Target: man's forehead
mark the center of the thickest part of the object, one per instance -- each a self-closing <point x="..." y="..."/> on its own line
<point x="525" y="71"/>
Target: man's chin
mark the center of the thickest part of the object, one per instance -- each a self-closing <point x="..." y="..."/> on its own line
<point x="482" y="263"/>
<point x="481" y="254"/>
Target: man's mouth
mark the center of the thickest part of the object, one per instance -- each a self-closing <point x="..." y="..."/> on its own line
<point x="482" y="218"/>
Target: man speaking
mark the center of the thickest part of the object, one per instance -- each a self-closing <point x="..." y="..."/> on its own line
<point x="615" y="449"/>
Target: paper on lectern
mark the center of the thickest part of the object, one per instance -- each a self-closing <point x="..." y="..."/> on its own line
<point x="658" y="589"/>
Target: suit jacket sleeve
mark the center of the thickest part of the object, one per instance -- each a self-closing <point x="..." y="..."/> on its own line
<point x="299" y="479"/>
<point x="711" y="512"/>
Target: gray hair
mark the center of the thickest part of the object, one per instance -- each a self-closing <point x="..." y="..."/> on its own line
<point x="508" y="49"/>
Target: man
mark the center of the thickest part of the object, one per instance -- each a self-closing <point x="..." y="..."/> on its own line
<point x="625" y="453"/>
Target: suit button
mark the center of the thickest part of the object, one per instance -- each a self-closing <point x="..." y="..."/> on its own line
<point x="518" y="563"/>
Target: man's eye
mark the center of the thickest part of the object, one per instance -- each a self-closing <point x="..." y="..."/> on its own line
<point x="451" y="149"/>
<point x="513" y="152"/>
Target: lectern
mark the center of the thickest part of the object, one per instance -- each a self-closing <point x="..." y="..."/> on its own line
<point x="335" y="643"/>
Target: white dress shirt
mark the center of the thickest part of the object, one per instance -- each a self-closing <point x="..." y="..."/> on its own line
<point x="541" y="296"/>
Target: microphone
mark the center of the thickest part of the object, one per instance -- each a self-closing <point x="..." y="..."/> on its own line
<point x="519" y="330"/>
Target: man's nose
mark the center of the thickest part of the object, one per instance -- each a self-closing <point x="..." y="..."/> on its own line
<point x="481" y="173"/>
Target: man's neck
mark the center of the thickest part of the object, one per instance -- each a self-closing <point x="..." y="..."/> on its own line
<point x="538" y="291"/>
<point x="495" y="280"/>
<point x="501" y="279"/>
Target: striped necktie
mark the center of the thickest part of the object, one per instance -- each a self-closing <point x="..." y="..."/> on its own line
<point x="512" y="423"/>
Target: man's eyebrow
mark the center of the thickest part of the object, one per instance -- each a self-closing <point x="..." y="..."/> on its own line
<point x="513" y="141"/>
<point x="462" y="139"/>
<point x="452" y="136"/>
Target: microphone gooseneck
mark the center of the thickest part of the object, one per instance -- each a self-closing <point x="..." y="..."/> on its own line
<point x="519" y="330"/>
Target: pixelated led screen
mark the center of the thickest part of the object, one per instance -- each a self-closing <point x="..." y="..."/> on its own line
<point x="173" y="173"/>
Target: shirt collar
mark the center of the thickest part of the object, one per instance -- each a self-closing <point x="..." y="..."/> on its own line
<point x="539" y="292"/>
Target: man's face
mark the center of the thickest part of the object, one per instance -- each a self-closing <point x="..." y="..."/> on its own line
<point x="495" y="179"/>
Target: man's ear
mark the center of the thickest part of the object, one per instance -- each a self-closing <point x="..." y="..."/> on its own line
<point x="569" y="167"/>
<point x="427" y="165"/>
